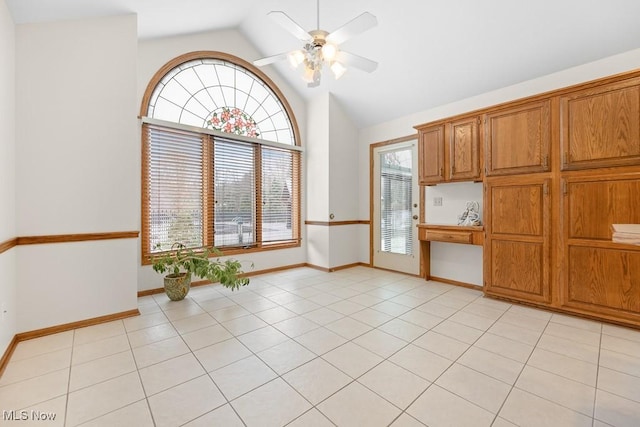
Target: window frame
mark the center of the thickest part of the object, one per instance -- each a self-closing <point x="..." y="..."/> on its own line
<point x="210" y="134"/>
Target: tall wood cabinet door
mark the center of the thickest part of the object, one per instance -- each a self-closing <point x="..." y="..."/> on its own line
<point x="464" y="147"/>
<point x="600" y="127"/>
<point x="600" y="276"/>
<point x="517" y="139"/>
<point x="431" y="155"/>
<point x="517" y="244"/>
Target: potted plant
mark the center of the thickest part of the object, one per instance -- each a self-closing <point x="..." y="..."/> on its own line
<point x="182" y="262"/>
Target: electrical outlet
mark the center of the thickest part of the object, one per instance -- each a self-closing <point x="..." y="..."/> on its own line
<point x="437" y="201"/>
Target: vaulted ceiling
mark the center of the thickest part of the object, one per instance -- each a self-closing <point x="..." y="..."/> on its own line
<point x="430" y="52"/>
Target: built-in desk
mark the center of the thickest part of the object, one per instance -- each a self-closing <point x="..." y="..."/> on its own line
<point x="467" y="235"/>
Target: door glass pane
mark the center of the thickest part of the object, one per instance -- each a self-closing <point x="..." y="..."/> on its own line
<point x="395" y="202"/>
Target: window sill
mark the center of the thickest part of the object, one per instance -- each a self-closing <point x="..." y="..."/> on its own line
<point x="146" y="258"/>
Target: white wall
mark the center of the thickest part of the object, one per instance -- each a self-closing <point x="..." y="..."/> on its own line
<point x="343" y="162"/>
<point x="77" y="168"/>
<point x="75" y="281"/>
<point x="8" y="282"/>
<point x="152" y="55"/>
<point x="317" y="159"/>
<point x="343" y="186"/>
<point x="447" y="258"/>
<point x="461" y="262"/>
<point x="332" y="184"/>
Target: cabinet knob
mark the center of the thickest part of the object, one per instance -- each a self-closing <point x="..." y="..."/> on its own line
<point x="415" y="217"/>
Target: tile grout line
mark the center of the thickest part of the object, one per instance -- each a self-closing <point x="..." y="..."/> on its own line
<point x="403" y="411"/>
<point x="66" y="402"/>
<point x="595" y="393"/>
<point x="524" y="365"/>
<point x="455" y="361"/>
<point x="135" y="362"/>
<point x="292" y="287"/>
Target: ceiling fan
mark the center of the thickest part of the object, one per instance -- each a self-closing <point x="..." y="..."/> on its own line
<point x="322" y="47"/>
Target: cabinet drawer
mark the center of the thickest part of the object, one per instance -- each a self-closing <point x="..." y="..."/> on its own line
<point x="450" y="236"/>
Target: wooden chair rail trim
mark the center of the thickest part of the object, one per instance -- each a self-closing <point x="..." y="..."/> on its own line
<point x="8" y="244"/>
<point x="65" y="238"/>
<point x="85" y="237"/>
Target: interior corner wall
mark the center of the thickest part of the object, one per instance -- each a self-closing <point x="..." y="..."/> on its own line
<point x="78" y="160"/>
<point x="332" y="184"/>
<point x="152" y="54"/>
<point x="8" y="283"/>
<point x="451" y="260"/>
<point x="343" y="186"/>
<point x="317" y="180"/>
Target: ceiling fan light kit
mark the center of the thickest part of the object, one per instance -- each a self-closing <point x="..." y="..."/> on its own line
<point x="321" y="47"/>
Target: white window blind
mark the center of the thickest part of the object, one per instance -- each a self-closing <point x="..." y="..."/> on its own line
<point x="202" y="190"/>
<point x="174" y="188"/>
<point x="395" y="207"/>
<point x="277" y="197"/>
<point x="234" y="193"/>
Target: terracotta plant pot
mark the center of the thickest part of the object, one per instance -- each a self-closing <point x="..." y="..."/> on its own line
<point x="177" y="286"/>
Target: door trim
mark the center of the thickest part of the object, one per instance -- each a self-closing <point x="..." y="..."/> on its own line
<point x="372" y="147"/>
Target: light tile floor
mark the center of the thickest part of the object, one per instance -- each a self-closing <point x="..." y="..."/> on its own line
<point x="359" y="347"/>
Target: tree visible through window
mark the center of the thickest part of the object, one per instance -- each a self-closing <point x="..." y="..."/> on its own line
<point x="220" y="159"/>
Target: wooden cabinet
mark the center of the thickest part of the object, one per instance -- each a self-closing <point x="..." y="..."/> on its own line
<point x="517" y="244"/>
<point x="600" y="127"/>
<point x="517" y="139"/>
<point x="449" y="151"/>
<point x="464" y="149"/>
<point x="558" y="170"/>
<point x="431" y="155"/>
<point x="598" y="276"/>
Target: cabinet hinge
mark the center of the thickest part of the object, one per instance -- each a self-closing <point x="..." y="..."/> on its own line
<point x="545" y="188"/>
<point x="479" y="120"/>
<point x="441" y="171"/>
<point x="545" y="162"/>
<point x="564" y="187"/>
<point x="565" y="158"/>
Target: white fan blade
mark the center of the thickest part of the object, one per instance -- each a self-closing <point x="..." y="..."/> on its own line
<point x="357" y="25"/>
<point x="290" y="25"/>
<point x="270" y="59"/>
<point x="356" y="61"/>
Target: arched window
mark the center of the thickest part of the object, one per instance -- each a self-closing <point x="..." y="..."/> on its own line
<point x="221" y="158"/>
